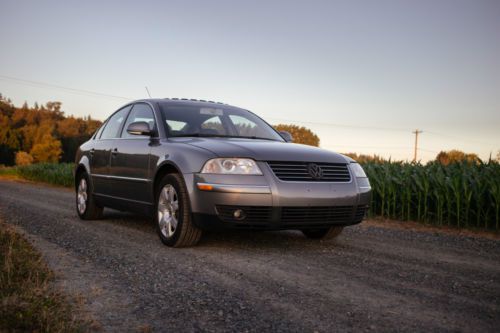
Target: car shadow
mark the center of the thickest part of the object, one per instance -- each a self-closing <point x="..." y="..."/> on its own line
<point x="229" y="238"/>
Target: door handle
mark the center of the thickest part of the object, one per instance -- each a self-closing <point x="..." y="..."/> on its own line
<point x="91" y="152"/>
<point x="114" y="152"/>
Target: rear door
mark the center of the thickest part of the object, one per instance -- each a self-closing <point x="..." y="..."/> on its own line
<point x="101" y="153"/>
<point x="130" y="158"/>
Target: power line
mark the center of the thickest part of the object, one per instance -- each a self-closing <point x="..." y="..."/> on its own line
<point x="54" y="86"/>
<point x="84" y="92"/>
<point x="341" y="125"/>
<point x="428" y="151"/>
<point x="458" y="138"/>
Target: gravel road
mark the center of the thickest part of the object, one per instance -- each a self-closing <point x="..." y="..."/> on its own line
<point x="369" y="279"/>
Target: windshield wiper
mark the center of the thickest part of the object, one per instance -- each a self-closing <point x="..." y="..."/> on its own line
<point x="184" y="135"/>
<point x="255" y="138"/>
<point x="200" y="135"/>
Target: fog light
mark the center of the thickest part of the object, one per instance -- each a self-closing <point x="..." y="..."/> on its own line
<point x="239" y="214"/>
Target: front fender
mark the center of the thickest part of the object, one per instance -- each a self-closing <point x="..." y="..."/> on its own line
<point x="83" y="163"/>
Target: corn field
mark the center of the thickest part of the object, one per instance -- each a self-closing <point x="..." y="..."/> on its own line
<point x="459" y="194"/>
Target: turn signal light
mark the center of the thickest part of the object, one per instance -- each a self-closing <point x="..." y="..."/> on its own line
<point x="205" y="187"/>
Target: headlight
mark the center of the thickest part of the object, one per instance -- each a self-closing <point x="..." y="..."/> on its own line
<point x="357" y="170"/>
<point x="231" y="166"/>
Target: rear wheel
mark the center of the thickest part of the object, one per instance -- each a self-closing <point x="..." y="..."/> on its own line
<point x="173" y="219"/>
<point x="86" y="207"/>
<point x="326" y="233"/>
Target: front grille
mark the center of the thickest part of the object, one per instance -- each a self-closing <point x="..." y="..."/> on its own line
<point x="299" y="171"/>
<point x="260" y="214"/>
<point x="333" y="214"/>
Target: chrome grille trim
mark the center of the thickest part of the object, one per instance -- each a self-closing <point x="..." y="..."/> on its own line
<point x="298" y="171"/>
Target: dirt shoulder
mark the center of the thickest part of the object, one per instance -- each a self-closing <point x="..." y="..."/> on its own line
<point x="417" y="226"/>
<point x="30" y="299"/>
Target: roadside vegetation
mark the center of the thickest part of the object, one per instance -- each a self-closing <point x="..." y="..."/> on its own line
<point x="462" y="194"/>
<point x="29" y="303"/>
<point x="53" y="173"/>
<point x="60" y="174"/>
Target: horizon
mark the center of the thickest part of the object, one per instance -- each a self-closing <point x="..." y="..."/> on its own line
<point x="362" y="76"/>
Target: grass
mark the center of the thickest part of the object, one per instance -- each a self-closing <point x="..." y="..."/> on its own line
<point x="60" y="174"/>
<point x="10" y="172"/>
<point x="28" y="302"/>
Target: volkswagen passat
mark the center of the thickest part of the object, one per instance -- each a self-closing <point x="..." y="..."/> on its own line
<point x="197" y="165"/>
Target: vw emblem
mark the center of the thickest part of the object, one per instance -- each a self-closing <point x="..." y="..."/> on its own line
<point x="315" y="171"/>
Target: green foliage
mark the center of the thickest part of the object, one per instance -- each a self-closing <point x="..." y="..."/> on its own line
<point x="459" y="194"/>
<point x="52" y="173"/>
<point x="8" y="171"/>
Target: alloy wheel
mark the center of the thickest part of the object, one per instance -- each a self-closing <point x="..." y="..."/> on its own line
<point x="82" y="196"/>
<point x="168" y="209"/>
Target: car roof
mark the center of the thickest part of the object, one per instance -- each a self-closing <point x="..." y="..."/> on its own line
<point x="184" y="101"/>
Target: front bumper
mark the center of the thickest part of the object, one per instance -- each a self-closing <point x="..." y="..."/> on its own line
<point x="272" y="204"/>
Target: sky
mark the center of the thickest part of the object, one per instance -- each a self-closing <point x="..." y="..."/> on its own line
<point x="362" y="75"/>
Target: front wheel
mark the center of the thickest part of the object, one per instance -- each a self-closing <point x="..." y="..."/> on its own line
<point x="86" y="207"/>
<point x="173" y="219"/>
<point x="325" y="233"/>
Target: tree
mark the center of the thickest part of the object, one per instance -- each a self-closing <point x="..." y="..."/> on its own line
<point x="69" y="127"/>
<point x="23" y="128"/>
<point x="9" y="141"/>
<point x="300" y="134"/>
<point x="47" y="150"/>
<point x="23" y="158"/>
<point x="456" y="156"/>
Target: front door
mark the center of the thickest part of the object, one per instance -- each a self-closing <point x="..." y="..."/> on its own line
<point x="130" y="158"/>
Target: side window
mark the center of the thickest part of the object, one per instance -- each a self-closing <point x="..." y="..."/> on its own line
<point x="99" y="131"/>
<point x="140" y="112"/>
<point x="212" y="125"/>
<point x="114" y="123"/>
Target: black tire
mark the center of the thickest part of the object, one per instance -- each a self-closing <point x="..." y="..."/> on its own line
<point x="185" y="233"/>
<point x="326" y="233"/>
<point x="92" y="210"/>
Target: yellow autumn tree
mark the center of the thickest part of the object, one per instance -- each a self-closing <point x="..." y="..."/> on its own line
<point x="23" y="158"/>
<point x="300" y="134"/>
<point x="48" y="149"/>
<point x="454" y="156"/>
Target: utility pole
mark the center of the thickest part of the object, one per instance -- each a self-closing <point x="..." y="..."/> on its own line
<point x="416" y="132"/>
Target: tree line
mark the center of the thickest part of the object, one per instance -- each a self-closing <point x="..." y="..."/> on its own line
<point x="41" y="133"/>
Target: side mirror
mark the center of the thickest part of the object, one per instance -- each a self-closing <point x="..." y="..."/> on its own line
<point x="286" y="135"/>
<point x="139" y="128"/>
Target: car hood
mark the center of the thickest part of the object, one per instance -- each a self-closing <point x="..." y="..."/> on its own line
<point x="264" y="150"/>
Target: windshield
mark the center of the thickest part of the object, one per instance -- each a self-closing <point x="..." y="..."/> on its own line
<point x="217" y="121"/>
